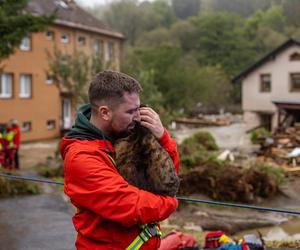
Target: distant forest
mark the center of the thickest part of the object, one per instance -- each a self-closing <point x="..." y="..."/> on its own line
<point x="185" y="52"/>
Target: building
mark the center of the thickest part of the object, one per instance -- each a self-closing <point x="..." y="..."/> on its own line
<point x="28" y="92"/>
<point x="271" y="88"/>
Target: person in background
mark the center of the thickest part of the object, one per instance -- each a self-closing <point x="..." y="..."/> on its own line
<point x="14" y="141"/>
<point x="111" y="213"/>
<point x="3" y="157"/>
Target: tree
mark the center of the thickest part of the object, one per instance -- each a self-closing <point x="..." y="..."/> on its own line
<point x="16" y="23"/>
<point x="220" y="41"/>
<point x="72" y="72"/>
<point x="244" y="8"/>
<point x="291" y="9"/>
<point x="125" y="17"/>
<point x="265" y="30"/>
<point x="187" y="8"/>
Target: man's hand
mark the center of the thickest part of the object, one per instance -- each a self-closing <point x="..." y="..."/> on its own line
<point x="150" y="119"/>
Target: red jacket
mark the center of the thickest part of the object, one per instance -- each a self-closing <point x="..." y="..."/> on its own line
<point x="109" y="210"/>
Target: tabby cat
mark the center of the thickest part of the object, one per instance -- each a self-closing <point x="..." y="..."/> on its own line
<point x="144" y="163"/>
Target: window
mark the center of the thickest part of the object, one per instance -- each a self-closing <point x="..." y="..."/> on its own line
<point x="25" y="44"/>
<point x="98" y="47"/>
<point x="265" y="83"/>
<point x="64" y="38"/>
<point x="49" y="79"/>
<point x="295" y="56"/>
<point x="50" y="35"/>
<point x="50" y="124"/>
<point x="6" y="85"/>
<point x="295" y="81"/>
<point x="81" y="40"/>
<point x="110" y="51"/>
<point x="25" y="86"/>
<point x="26" y="126"/>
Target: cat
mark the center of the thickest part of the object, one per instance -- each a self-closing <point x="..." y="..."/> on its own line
<point x="144" y="163"/>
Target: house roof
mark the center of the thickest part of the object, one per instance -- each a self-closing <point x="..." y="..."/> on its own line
<point x="266" y="58"/>
<point x="287" y="105"/>
<point x="71" y="15"/>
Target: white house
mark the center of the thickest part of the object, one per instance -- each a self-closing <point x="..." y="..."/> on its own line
<point x="271" y="88"/>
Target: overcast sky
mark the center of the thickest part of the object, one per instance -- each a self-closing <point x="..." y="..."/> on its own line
<point x="90" y="3"/>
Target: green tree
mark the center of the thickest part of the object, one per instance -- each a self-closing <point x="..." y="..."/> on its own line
<point x="265" y="30"/>
<point x="72" y="72"/>
<point x="244" y="8"/>
<point x="156" y="14"/>
<point x="187" y="8"/>
<point x="16" y="23"/>
<point x="291" y="9"/>
<point x="220" y="41"/>
<point x="124" y="15"/>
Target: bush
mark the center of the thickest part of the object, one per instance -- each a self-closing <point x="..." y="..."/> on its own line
<point x="9" y="187"/>
<point x="196" y="150"/>
<point x="278" y="173"/>
<point x="258" y="134"/>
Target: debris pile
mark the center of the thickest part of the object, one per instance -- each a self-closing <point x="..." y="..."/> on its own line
<point x="229" y="183"/>
<point x="282" y="149"/>
<point x="202" y="121"/>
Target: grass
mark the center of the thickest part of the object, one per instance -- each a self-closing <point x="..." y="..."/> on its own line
<point x="11" y="188"/>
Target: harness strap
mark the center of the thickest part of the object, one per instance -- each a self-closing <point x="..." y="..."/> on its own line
<point x="112" y="159"/>
<point x="146" y="233"/>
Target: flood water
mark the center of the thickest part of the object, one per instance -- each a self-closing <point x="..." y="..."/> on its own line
<point x="38" y="222"/>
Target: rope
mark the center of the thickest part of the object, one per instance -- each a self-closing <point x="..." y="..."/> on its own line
<point x="178" y="198"/>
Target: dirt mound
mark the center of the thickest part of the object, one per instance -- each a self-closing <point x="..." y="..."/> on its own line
<point x="229" y="183"/>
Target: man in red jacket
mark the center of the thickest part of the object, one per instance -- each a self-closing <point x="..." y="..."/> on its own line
<point x="111" y="214"/>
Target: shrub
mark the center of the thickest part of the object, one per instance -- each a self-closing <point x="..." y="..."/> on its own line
<point x="196" y="150"/>
<point x="9" y="187"/>
<point x="258" y="134"/>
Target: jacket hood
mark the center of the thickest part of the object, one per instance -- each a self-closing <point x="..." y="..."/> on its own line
<point x="83" y="129"/>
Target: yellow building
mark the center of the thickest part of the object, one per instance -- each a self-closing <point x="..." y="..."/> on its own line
<point x="28" y="92"/>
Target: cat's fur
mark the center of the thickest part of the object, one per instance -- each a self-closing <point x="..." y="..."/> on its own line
<point x="143" y="162"/>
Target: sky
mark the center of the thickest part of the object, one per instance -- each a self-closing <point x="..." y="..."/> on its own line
<point x="90" y="3"/>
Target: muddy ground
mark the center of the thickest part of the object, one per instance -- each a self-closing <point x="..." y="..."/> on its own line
<point x="200" y="218"/>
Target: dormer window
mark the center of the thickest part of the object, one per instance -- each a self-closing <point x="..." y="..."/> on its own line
<point x="295" y="56"/>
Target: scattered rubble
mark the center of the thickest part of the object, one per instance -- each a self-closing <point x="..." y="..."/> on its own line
<point x="201" y="122"/>
<point x="282" y="149"/>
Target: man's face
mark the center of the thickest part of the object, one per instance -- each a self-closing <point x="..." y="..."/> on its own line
<point x="125" y="115"/>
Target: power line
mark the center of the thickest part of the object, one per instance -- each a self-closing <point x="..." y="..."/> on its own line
<point x="26" y="178"/>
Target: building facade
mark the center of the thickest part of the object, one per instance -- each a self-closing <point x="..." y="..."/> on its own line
<point x="271" y="88"/>
<point x="28" y="91"/>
